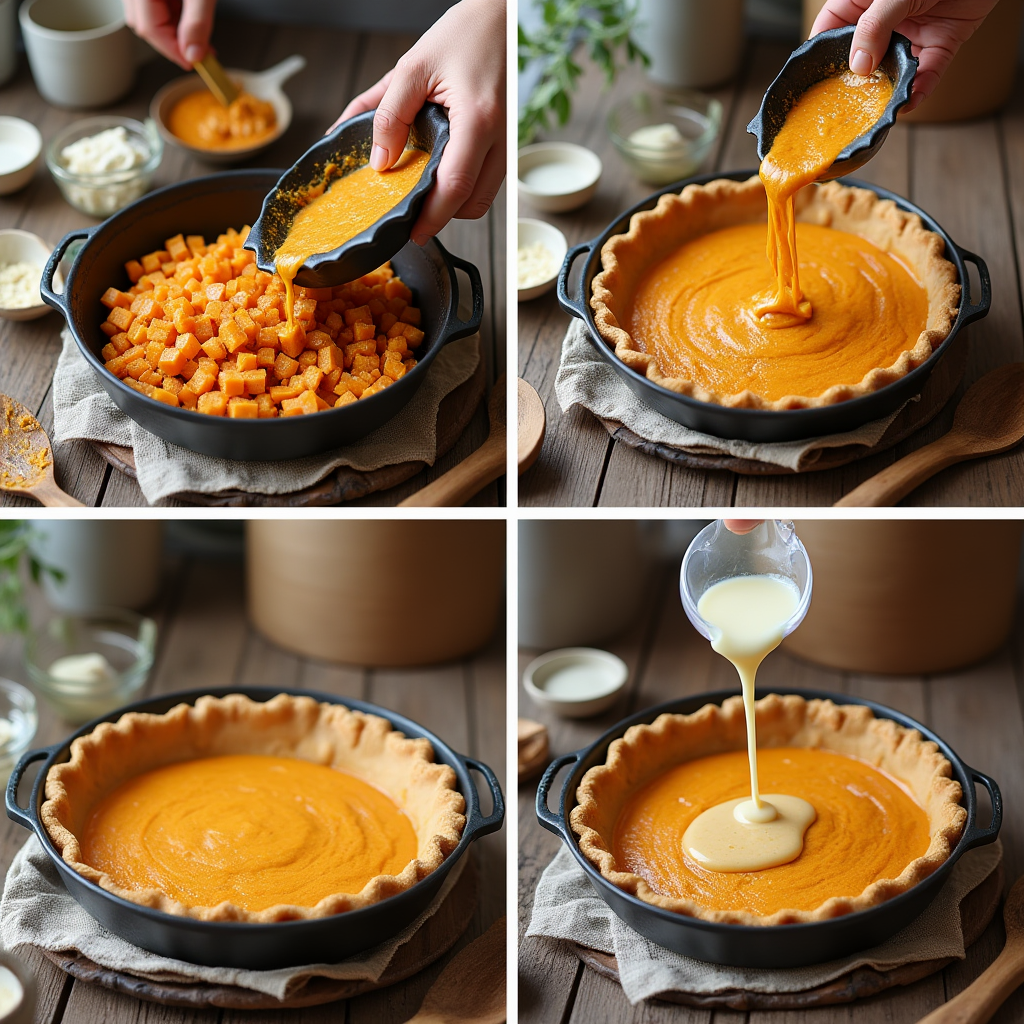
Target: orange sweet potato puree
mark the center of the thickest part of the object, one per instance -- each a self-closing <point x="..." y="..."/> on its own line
<point x="868" y="828"/>
<point x="201" y="120"/>
<point x="350" y="205"/>
<point x="819" y="126"/>
<point x="251" y="829"/>
<point x="693" y="313"/>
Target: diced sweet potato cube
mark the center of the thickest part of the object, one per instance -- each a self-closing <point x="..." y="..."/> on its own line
<point x="162" y="332"/>
<point x="232" y="335"/>
<point x="361" y="314"/>
<point x="172" y="384"/>
<point x="266" y="407"/>
<point x="113" y="297"/>
<point x="393" y="368"/>
<point x="255" y="381"/>
<point x="285" y="366"/>
<point x="346" y="399"/>
<point x="305" y="309"/>
<point x="177" y="248"/>
<point x="188" y="345"/>
<point x="367" y="363"/>
<point x="246" y="361"/>
<point x="196" y="244"/>
<point x="267" y="338"/>
<point x="330" y="358"/>
<point x="171" y="361"/>
<point x="247" y="325"/>
<point x="307" y="358"/>
<point x="214" y="348"/>
<point x="312" y="376"/>
<point x="152" y="377"/>
<point x="317" y="340"/>
<point x="137" y="367"/>
<point x="134" y="269"/>
<point x="204" y="328"/>
<point x="184" y="323"/>
<point x="413" y="336"/>
<point x="139" y="331"/>
<point x="279" y="392"/>
<point x="231" y="383"/>
<point x="305" y="404"/>
<point x="291" y="339"/>
<point x="266" y="357"/>
<point x="187" y="398"/>
<point x="213" y="403"/>
<point x="202" y="381"/>
<point x="364" y="332"/>
<point x="242" y="409"/>
<point x="108" y="352"/>
<point x="121" y="318"/>
<point x="410" y="315"/>
<point x="153" y="261"/>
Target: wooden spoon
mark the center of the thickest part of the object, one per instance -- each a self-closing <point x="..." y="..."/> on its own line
<point x="474" y="473"/>
<point x="471" y="989"/>
<point x="531" y="421"/>
<point x="988" y="420"/>
<point x="216" y="78"/>
<point x="26" y="457"/>
<point x="989" y="990"/>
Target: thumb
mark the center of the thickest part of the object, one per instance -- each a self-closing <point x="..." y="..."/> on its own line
<point x="874" y="29"/>
<point x="405" y="95"/>
<point x="194" y="28"/>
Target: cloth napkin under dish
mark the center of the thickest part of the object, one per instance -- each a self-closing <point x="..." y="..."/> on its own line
<point x="36" y="909"/>
<point x="82" y="409"/>
<point x="584" y="378"/>
<point x="567" y="907"/>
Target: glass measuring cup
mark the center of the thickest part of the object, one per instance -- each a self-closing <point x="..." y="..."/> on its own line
<point x="716" y="554"/>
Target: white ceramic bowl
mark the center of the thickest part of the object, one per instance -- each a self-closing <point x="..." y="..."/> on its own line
<point x="20" y="147"/>
<point x="576" y="682"/>
<point x="264" y="85"/>
<point x="557" y="176"/>
<point x="23" y="247"/>
<point x="530" y="233"/>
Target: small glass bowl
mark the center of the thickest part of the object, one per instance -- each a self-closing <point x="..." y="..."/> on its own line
<point x="101" y="195"/>
<point x="125" y="639"/>
<point x="18" y="707"/>
<point x="697" y="118"/>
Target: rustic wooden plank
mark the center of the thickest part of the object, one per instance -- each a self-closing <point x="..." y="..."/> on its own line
<point x="601" y="999"/>
<point x="344" y="680"/>
<point x="90" y="1004"/>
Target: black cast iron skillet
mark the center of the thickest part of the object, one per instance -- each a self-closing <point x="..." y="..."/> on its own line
<point x="259" y="946"/>
<point x="348" y="146"/>
<point x="207" y="206"/>
<point x="787" y="945"/>
<point x="767" y="425"/>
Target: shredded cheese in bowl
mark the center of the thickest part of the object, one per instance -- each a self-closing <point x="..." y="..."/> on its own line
<point x="535" y="264"/>
<point x="19" y="285"/>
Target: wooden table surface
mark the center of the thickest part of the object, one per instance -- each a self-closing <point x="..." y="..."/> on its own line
<point x="967" y="176"/>
<point x="339" y="66"/>
<point x="977" y="711"/>
<point x="206" y="641"/>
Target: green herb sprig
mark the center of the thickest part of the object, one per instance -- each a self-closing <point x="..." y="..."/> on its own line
<point x="15" y="538"/>
<point x="604" y="26"/>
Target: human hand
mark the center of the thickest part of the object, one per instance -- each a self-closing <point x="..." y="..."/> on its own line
<point x="935" y="28"/>
<point x="741" y="526"/>
<point x="179" y="29"/>
<point x="458" y="62"/>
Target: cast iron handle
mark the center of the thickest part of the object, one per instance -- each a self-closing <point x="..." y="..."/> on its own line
<point x="980" y="836"/>
<point x="572" y="308"/>
<point x="50" y="297"/>
<point x="980" y="309"/>
<point x="15" y="811"/>
<point x="479" y="825"/>
<point x="553" y="822"/>
<point x="454" y="327"/>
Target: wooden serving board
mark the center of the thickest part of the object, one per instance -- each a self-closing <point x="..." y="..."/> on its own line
<point x="937" y="391"/>
<point x="344" y="484"/>
<point x="977" y="909"/>
<point x="439" y="933"/>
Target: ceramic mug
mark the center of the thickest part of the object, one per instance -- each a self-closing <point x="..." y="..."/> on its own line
<point x="81" y="52"/>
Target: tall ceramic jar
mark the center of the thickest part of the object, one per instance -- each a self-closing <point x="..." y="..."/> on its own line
<point x="908" y="596"/>
<point x="693" y="44"/>
<point x="376" y="592"/>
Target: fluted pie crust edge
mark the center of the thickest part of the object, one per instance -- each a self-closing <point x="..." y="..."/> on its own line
<point x="328" y="734"/>
<point x="700" y="209"/>
<point x="648" y="751"/>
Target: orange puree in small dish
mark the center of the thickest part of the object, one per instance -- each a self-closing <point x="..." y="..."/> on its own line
<point x="867" y="828"/>
<point x="693" y="313"/>
<point x="350" y="205"/>
<point x="201" y="120"/>
<point x="253" y="830"/>
<point x="819" y="126"/>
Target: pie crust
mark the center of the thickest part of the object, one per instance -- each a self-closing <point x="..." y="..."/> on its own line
<point x="647" y="751"/>
<point x="700" y="209"/>
<point x="285" y="726"/>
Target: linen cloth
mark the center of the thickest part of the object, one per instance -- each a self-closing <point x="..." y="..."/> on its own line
<point x="36" y="909"/>
<point x="585" y="379"/>
<point x="567" y="907"/>
<point x="82" y="409"/>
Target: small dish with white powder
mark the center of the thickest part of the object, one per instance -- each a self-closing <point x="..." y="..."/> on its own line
<point x="22" y="258"/>
<point x="541" y="248"/>
<point x="101" y="164"/>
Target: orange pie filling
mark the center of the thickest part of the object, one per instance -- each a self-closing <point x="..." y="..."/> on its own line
<point x="867" y="828"/>
<point x="247" y="829"/>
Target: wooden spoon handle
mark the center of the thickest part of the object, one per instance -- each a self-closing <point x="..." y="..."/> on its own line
<point x="899" y="479"/>
<point x="49" y="494"/>
<point x="980" y="1000"/>
<point x="461" y="482"/>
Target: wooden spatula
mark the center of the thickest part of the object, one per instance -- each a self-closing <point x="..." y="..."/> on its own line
<point x="471" y="989"/>
<point x="988" y="420"/>
<point x="980" y="1000"/>
<point x="26" y="457"/>
<point x="532" y="424"/>
<point x="216" y="79"/>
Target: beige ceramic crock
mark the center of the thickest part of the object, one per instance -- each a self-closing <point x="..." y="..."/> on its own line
<point x="907" y="596"/>
<point x="980" y="78"/>
<point x="377" y="593"/>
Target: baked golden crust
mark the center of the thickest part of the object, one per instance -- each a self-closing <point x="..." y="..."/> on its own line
<point x="700" y="209"/>
<point x="647" y="751"/>
<point x="285" y="726"/>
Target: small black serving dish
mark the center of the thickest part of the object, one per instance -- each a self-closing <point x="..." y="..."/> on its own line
<point x="768" y="425"/>
<point x="825" y="56"/>
<point x="208" y="206"/>
<point x="786" y="945"/>
<point x="347" y="147"/>
<point x="259" y="946"/>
